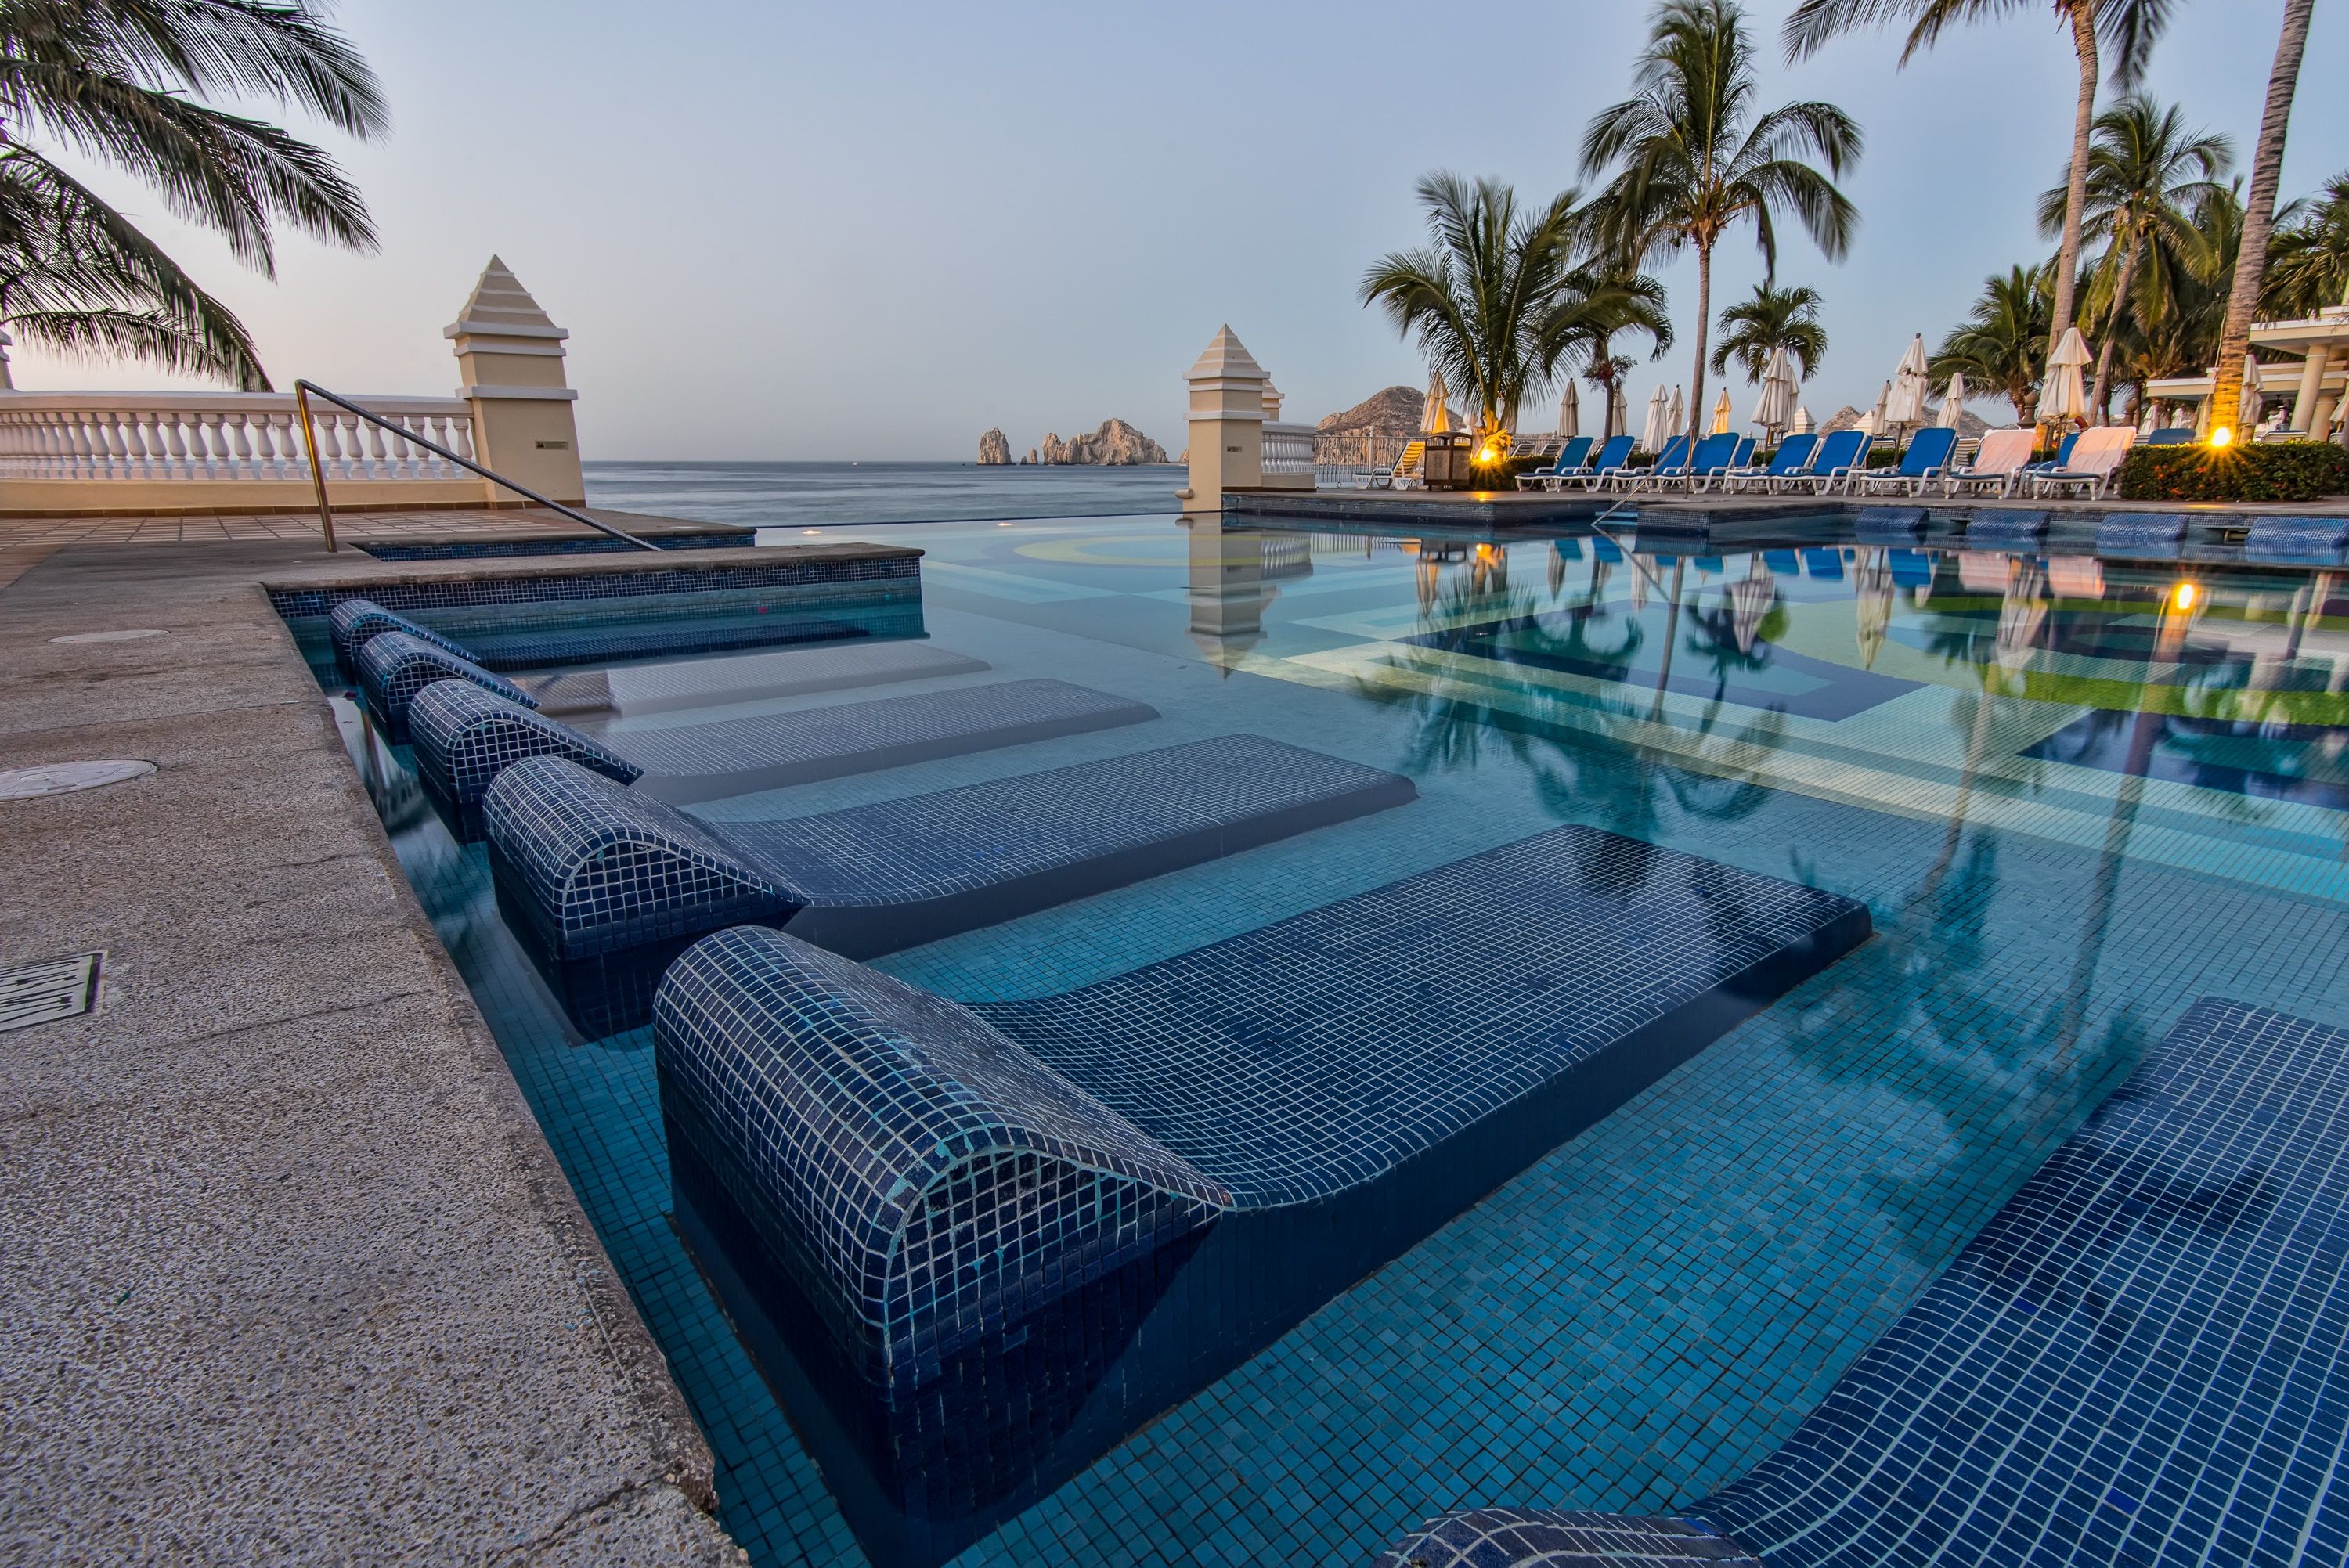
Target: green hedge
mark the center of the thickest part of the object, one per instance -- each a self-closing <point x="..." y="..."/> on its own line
<point x="2280" y="471"/>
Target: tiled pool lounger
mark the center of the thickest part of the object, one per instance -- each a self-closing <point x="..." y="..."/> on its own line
<point x="709" y="625"/>
<point x="1232" y="1136"/>
<point x="2140" y="1360"/>
<point x="468" y="741"/>
<point x="640" y="689"/>
<point x="591" y="868"/>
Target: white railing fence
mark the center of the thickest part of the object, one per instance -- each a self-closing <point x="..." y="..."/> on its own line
<point x="1288" y="450"/>
<point x="245" y="436"/>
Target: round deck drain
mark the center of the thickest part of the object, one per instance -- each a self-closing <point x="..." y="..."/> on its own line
<point x="64" y="777"/>
<point x="130" y="636"/>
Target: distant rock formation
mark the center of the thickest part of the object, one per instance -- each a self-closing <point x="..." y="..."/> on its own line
<point x="1392" y="412"/>
<point x="1115" y="445"/>
<point x="994" y="451"/>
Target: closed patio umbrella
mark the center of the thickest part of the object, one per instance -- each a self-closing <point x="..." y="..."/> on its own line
<point x="1679" y="422"/>
<point x="1953" y="401"/>
<point x="1655" y="433"/>
<point x="1778" y="389"/>
<point x="1435" y="418"/>
<point x="1618" y="410"/>
<point x="2063" y="395"/>
<point x="1570" y="413"/>
<point x="1904" y="394"/>
<point x="1879" y="417"/>
<point x="1721" y="414"/>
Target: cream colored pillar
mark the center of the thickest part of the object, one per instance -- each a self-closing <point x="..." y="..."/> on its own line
<point x="511" y="357"/>
<point x="2304" y="409"/>
<point x="1227" y="424"/>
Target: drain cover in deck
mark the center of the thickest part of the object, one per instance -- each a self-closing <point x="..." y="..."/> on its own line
<point x="64" y="777"/>
<point x="46" y="992"/>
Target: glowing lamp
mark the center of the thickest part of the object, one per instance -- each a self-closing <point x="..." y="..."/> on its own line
<point x="2222" y="437"/>
<point x="2182" y="597"/>
<point x="1486" y="454"/>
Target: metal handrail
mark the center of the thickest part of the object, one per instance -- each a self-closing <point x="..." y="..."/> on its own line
<point x="302" y="391"/>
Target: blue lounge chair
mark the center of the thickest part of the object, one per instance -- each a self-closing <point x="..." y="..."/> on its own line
<point x="2063" y="455"/>
<point x="2171" y="436"/>
<point x="1793" y="456"/>
<point x="1571" y="460"/>
<point x="1609" y="462"/>
<point x="1840" y="456"/>
<point x="1672" y="460"/>
<point x="1710" y="462"/>
<point x="1921" y="464"/>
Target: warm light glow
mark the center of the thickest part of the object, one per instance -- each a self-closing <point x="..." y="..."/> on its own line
<point x="2181" y="598"/>
<point x="1486" y="454"/>
<point x="2221" y="436"/>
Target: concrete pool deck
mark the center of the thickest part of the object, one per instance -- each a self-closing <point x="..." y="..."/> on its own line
<point x="291" y="1272"/>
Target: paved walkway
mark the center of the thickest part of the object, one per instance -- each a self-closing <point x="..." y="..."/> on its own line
<point x="350" y="527"/>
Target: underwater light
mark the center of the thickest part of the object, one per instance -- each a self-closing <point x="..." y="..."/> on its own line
<point x="2182" y="597"/>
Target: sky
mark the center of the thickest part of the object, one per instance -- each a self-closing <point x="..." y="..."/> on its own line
<point x="788" y="230"/>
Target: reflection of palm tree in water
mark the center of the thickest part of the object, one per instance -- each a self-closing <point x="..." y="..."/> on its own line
<point x="2021" y="624"/>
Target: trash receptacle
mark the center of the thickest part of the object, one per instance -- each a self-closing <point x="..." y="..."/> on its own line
<point x="1446" y="460"/>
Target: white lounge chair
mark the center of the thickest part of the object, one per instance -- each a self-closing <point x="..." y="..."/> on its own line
<point x="2094" y="463"/>
<point x="1997" y="463"/>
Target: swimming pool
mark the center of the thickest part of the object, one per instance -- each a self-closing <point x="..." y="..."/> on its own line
<point x="2071" y="801"/>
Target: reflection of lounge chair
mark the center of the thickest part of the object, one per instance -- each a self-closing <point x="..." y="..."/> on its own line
<point x="2004" y="455"/>
<point x="1604" y="466"/>
<point x="1928" y="455"/>
<point x="1840" y="457"/>
<point x="2093" y="463"/>
<point x="1793" y="456"/>
<point x="1570" y="459"/>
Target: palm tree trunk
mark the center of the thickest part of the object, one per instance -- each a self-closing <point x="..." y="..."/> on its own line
<point x="2076" y="193"/>
<point x="1703" y="320"/>
<point x="2102" y="395"/>
<point x="2259" y="218"/>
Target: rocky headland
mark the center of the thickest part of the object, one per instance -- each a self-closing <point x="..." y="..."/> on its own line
<point x="994" y="451"/>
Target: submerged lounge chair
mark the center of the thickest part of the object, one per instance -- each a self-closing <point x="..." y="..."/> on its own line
<point x="464" y="738"/>
<point x="1571" y="460"/>
<point x="395" y="666"/>
<point x="1306" y="1091"/>
<point x="1920" y="465"/>
<point x="597" y="871"/>
<point x="1792" y="458"/>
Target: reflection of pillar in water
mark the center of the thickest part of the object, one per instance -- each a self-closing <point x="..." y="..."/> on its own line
<point x="1228" y="591"/>
<point x="1671" y="630"/>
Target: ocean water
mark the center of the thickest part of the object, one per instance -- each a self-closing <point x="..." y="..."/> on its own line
<point x="776" y="495"/>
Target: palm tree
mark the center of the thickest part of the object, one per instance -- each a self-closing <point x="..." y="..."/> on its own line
<point x="2259" y="218"/>
<point x="1752" y="330"/>
<point x="2130" y="27"/>
<point x="2308" y="259"/>
<point x="1495" y="300"/>
<point x="1696" y="159"/>
<point x="2145" y="169"/>
<point x="117" y="81"/>
<point x="2004" y="342"/>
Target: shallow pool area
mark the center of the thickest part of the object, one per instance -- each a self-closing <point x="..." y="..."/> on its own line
<point x="2072" y="795"/>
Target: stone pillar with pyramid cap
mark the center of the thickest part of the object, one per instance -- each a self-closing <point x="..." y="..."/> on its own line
<point x="1227" y="424"/>
<point x="511" y="357"/>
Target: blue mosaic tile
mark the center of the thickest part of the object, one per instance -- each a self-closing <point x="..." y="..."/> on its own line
<point x="2008" y="525"/>
<point x="465" y="735"/>
<point x="1539" y="1538"/>
<point x="2134" y="531"/>
<point x="504" y="549"/>
<point x="1337" y="1104"/>
<point x="393" y="666"/>
<point x="685" y="763"/>
<point x="893" y="572"/>
<point x="355" y="622"/>
<point x="2139" y="1360"/>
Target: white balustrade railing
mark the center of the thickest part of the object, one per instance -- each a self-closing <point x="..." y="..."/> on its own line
<point x="247" y="435"/>
<point x="1289" y="449"/>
